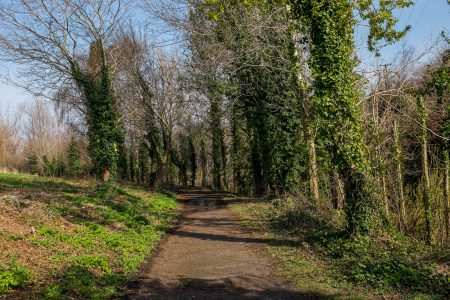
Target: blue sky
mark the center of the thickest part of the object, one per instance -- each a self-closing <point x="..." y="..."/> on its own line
<point x="428" y="18"/>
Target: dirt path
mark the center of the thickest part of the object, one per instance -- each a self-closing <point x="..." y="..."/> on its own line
<point x="211" y="256"/>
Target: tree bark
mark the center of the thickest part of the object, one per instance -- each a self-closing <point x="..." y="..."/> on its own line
<point x="425" y="173"/>
<point x="313" y="176"/>
<point x="446" y="193"/>
<point x="399" y="171"/>
<point x="203" y="161"/>
<point x="338" y="191"/>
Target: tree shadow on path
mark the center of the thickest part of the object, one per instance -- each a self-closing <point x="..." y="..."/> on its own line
<point x="218" y="289"/>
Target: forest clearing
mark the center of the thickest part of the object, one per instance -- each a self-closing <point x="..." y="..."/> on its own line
<point x="224" y="149"/>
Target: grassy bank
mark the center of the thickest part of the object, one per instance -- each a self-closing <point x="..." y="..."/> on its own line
<point x="71" y="239"/>
<point x="320" y="257"/>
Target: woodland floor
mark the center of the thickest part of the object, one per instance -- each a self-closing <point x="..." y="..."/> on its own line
<point x="212" y="256"/>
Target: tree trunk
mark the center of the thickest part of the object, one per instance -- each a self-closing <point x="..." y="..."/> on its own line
<point x="106" y="175"/>
<point x="161" y="173"/>
<point x="216" y="143"/>
<point x="335" y="100"/>
<point x="203" y="161"/>
<point x="313" y="177"/>
<point x="338" y="189"/>
<point x="105" y="132"/>
<point x="426" y="176"/>
<point x="236" y="161"/>
<point x="223" y="152"/>
<point x="446" y="193"/>
<point x="162" y="169"/>
<point x="312" y="160"/>
<point x="399" y="171"/>
<point x="385" y="196"/>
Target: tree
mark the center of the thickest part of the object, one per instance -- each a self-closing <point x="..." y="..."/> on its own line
<point x="64" y="45"/>
<point x="33" y="163"/>
<point x="192" y="159"/>
<point x="330" y="26"/>
<point x="242" y="63"/>
<point x="74" y="163"/>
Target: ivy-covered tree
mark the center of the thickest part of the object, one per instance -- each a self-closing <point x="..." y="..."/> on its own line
<point x="257" y="84"/>
<point x="63" y="47"/>
<point x="105" y="133"/>
<point x="330" y="28"/>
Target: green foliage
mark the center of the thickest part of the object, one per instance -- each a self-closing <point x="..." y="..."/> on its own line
<point x="382" y="22"/>
<point x="73" y="158"/>
<point x="303" y="238"/>
<point x="385" y="265"/>
<point x="33" y="163"/>
<point x="263" y="92"/>
<point x="98" y="262"/>
<point x="440" y="85"/>
<point x="53" y="168"/>
<point x="13" y="276"/>
<point x="78" y="282"/>
<point x="105" y="132"/>
<point x="440" y="77"/>
<point x="330" y="27"/>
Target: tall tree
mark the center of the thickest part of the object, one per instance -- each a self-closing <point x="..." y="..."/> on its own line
<point x="330" y="27"/>
<point x="63" y="45"/>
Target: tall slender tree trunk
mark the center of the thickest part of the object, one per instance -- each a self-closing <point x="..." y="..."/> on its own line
<point x="312" y="160"/>
<point x="426" y="176"/>
<point x="216" y="143"/>
<point x="399" y="175"/>
<point x="237" y="186"/>
<point x="446" y="193"/>
<point x="257" y="165"/>
<point x="223" y="152"/>
<point x="380" y="156"/>
<point x="385" y="196"/>
<point x="203" y="161"/>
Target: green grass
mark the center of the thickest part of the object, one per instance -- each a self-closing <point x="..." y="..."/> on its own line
<point x="320" y="257"/>
<point x="95" y="236"/>
<point x="13" y="276"/>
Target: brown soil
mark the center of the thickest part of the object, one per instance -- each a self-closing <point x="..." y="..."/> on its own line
<point x="211" y="256"/>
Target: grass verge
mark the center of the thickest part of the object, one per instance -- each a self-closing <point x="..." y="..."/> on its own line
<point x="321" y="258"/>
<point x="65" y="239"/>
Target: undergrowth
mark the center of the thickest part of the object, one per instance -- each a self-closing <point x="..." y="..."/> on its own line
<point x="320" y="255"/>
<point x="96" y="236"/>
<point x="12" y="276"/>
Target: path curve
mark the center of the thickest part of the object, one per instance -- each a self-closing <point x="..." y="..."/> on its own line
<point x="211" y="256"/>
